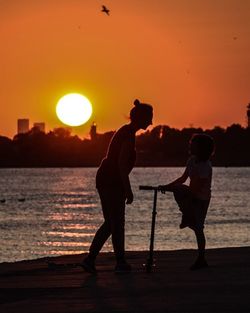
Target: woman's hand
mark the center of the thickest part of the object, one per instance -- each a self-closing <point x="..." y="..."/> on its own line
<point x="129" y="197"/>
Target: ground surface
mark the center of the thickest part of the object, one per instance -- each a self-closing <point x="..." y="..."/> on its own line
<point x="30" y="286"/>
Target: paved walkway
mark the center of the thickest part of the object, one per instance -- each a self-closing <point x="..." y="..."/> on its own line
<point x="30" y="286"/>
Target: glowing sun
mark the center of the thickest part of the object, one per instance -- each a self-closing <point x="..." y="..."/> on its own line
<point x="74" y="109"/>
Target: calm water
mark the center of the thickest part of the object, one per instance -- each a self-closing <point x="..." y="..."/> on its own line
<point x="60" y="212"/>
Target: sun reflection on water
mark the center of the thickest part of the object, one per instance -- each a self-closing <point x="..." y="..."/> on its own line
<point x="70" y="216"/>
<point x="63" y="244"/>
<point x="64" y="234"/>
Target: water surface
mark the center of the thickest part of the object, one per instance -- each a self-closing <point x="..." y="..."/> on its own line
<point x="56" y="211"/>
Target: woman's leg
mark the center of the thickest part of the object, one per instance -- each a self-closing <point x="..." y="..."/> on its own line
<point x="118" y="233"/>
<point x="104" y="231"/>
<point x="113" y="207"/>
<point x="100" y="238"/>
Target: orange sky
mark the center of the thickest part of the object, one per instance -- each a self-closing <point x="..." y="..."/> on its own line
<point x="189" y="58"/>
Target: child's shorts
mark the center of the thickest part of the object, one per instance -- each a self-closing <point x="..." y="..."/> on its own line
<point x="193" y="209"/>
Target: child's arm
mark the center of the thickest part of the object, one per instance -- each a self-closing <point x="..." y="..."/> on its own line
<point x="180" y="180"/>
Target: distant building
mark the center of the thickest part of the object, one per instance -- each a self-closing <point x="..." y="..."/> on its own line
<point x="93" y="133"/>
<point x="22" y="125"/>
<point x="40" y="126"/>
<point x="248" y="115"/>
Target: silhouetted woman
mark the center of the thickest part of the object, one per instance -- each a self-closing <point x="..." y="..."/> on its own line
<point x="113" y="185"/>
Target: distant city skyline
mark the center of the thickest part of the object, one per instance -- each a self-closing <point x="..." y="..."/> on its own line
<point x="23" y="126"/>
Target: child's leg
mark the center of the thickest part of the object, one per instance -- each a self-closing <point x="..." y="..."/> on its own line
<point x="200" y="211"/>
<point x="183" y="198"/>
<point x="201" y="243"/>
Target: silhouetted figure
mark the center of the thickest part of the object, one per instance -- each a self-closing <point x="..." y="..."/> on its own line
<point x="193" y="200"/>
<point x="2" y="200"/>
<point x="105" y="10"/>
<point x="21" y="199"/>
<point x="113" y="185"/>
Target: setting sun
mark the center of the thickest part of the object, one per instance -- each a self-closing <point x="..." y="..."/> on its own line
<point x="74" y="109"/>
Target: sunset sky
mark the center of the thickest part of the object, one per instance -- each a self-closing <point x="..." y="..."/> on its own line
<point x="189" y="58"/>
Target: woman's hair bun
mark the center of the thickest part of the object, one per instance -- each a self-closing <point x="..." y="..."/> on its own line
<point x="140" y="111"/>
<point x="137" y="102"/>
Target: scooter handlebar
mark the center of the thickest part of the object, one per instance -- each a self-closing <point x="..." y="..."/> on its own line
<point x="148" y="188"/>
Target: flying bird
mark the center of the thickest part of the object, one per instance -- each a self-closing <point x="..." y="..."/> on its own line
<point x="105" y="10"/>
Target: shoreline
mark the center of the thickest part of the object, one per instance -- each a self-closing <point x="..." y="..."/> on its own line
<point x="128" y="252"/>
<point x="31" y="286"/>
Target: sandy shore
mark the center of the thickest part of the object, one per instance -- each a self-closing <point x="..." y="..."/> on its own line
<point x="30" y="286"/>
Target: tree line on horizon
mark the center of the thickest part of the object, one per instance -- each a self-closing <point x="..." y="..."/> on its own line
<point x="162" y="146"/>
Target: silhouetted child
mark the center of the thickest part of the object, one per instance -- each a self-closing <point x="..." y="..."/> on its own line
<point x="193" y="200"/>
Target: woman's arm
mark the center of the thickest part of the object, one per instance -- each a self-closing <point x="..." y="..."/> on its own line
<point x="125" y="168"/>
